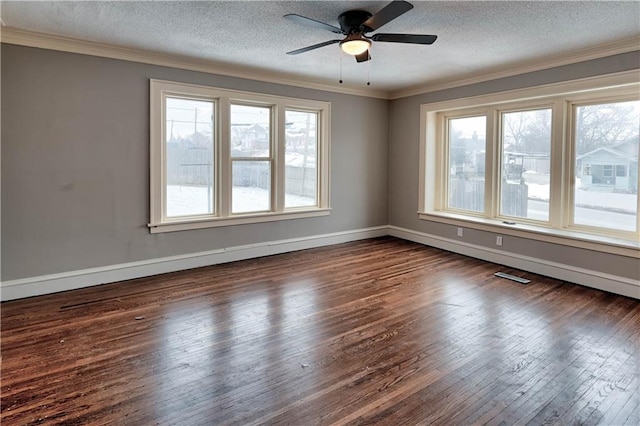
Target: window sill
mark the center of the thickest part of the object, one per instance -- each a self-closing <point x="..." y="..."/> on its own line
<point x="184" y="225"/>
<point x="570" y="238"/>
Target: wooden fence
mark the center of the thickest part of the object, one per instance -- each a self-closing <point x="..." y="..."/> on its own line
<point x="469" y="195"/>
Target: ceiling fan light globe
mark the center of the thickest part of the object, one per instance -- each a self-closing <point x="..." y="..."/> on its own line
<point x="355" y="47"/>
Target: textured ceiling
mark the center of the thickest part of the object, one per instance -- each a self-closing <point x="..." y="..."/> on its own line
<point x="474" y="37"/>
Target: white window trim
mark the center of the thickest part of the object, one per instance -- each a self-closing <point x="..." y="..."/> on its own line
<point x="562" y="95"/>
<point x="223" y="98"/>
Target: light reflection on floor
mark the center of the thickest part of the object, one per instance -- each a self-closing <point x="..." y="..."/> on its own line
<point x="193" y="338"/>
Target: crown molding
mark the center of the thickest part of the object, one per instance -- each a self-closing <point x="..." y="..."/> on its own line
<point x="581" y="55"/>
<point x="65" y="44"/>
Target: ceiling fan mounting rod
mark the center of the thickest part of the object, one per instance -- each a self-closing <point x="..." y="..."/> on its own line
<point x="352" y="21"/>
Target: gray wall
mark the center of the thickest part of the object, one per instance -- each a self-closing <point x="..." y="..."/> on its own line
<point x="404" y="138"/>
<point x="75" y="164"/>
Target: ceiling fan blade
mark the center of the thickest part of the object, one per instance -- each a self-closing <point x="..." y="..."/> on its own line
<point x="363" y="57"/>
<point x="405" y="38"/>
<point x="312" y="47"/>
<point x="387" y="14"/>
<point x="312" y="23"/>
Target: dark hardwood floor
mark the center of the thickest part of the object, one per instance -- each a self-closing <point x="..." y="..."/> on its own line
<point x="380" y="331"/>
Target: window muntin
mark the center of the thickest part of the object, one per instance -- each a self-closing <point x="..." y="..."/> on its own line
<point x="607" y="170"/>
<point x="525" y="164"/>
<point x="216" y="183"/>
<point x="434" y="161"/>
<point x="606" y="137"/>
<point x="466" y="165"/>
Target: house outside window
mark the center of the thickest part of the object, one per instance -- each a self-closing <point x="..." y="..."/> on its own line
<point x="221" y="157"/>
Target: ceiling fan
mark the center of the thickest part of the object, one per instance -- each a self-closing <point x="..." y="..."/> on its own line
<point x="355" y="24"/>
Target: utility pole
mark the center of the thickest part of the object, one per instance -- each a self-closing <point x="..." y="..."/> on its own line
<point x="195" y="121"/>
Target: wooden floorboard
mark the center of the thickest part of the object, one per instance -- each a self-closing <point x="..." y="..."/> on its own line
<point x="380" y="331"/>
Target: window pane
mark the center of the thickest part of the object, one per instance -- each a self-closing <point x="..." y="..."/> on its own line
<point x="301" y="143"/>
<point x="251" y="190"/>
<point x="250" y="131"/>
<point x="466" y="163"/>
<point x="526" y="161"/>
<point x="189" y="157"/>
<point x="606" y="165"/>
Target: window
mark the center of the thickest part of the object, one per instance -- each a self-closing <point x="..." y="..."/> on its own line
<point x="189" y="141"/>
<point x="466" y="143"/>
<point x="604" y="133"/>
<point x="555" y="167"/>
<point x="221" y="157"/>
<point x="621" y="171"/>
<point x="251" y="158"/>
<point x="525" y="160"/>
<point x="301" y="158"/>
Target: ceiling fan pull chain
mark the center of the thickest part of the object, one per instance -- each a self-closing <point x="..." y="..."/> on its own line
<point x="369" y="69"/>
<point x="340" y="53"/>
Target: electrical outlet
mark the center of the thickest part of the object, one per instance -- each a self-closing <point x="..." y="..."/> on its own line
<point x="498" y="240"/>
<point x="460" y="232"/>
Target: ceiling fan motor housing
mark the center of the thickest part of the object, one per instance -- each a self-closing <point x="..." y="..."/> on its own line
<point x="351" y="21"/>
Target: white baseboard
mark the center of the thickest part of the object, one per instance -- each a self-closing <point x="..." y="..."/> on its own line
<point x="45" y="284"/>
<point x="586" y="277"/>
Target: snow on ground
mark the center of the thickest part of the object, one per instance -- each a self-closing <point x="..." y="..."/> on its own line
<point x="620" y="202"/>
<point x="626" y="202"/>
<point x="192" y="200"/>
<point x="539" y="190"/>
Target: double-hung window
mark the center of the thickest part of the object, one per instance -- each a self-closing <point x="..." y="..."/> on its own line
<point x="557" y="163"/>
<point x="251" y="158"/>
<point x="222" y="157"/>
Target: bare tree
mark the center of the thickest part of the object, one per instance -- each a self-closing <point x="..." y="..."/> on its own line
<point x="605" y="124"/>
<point x="515" y="127"/>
